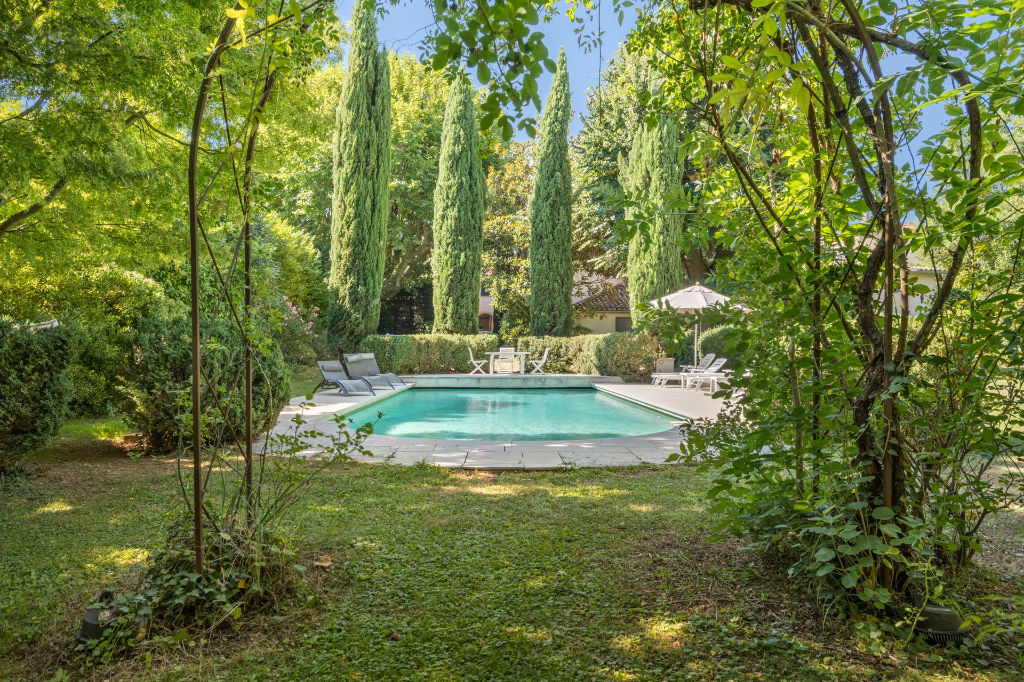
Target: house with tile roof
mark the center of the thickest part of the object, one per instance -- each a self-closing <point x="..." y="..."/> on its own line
<point x="605" y="309"/>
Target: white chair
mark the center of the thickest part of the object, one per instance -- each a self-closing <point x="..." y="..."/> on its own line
<point x="537" y="364"/>
<point x="506" y="361"/>
<point x="478" y="365"/>
<point x="711" y="375"/>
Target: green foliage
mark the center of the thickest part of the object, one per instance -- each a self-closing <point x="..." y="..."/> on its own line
<point x="458" y="217"/>
<point x="85" y="85"/>
<point x="35" y="388"/>
<point x="868" y="437"/>
<point x="427" y="353"/>
<point x="362" y="168"/>
<point x="615" y="110"/>
<point x="247" y="566"/>
<point x="157" y="381"/>
<point x="292" y="262"/>
<point x="506" y="257"/>
<point x="99" y="302"/>
<point x="499" y="38"/>
<point x="171" y="602"/>
<point x="299" y="185"/>
<point x="712" y="340"/>
<point x="654" y="263"/>
<point x="295" y="330"/>
<point x="630" y="356"/>
<point x="551" y="272"/>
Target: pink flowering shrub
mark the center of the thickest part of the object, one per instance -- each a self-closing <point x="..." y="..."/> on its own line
<point x="297" y="333"/>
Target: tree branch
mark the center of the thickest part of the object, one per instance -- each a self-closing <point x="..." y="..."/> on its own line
<point x="11" y="223"/>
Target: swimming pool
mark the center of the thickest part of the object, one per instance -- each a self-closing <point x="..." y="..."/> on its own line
<point x="510" y="415"/>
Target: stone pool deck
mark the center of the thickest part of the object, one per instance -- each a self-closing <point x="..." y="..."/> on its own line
<point x="512" y="455"/>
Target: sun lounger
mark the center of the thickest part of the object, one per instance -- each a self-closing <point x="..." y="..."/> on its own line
<point x="334" y="374"/>
<point x="662" y="378"/>
<point x="364" y="366"/>
<point x="712" y="375"/>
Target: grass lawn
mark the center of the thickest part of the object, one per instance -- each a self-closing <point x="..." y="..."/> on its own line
<point x="438" y="575"/>
<point x="302" y="379"/>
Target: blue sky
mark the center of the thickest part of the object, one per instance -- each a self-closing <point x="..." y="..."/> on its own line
<point x="405" y="26"/>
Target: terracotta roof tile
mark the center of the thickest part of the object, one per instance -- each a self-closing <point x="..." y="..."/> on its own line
<point x="609" y="299"/>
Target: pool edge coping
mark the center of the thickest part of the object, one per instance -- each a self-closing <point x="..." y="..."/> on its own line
<point x="643" y="403"/>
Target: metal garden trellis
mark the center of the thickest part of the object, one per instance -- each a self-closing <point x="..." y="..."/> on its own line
<point x="242" y="186"/>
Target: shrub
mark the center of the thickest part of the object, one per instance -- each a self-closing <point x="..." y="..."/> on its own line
<point x="294" y="329"/>
<point x="157" y="381"/>
<point x="713" y="340"/>
<point x="630" y="356"/>
<point x="624" y="354"/>
<point x="35" y="387"/>
<point x="427" y="353"/>
<point x="568" y="354"/>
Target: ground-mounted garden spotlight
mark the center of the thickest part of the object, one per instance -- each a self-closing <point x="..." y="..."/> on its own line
<point x="941" y="625"/>
<point x="96" y="619"/>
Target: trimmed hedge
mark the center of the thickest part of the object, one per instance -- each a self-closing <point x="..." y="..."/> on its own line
<point x="35" y="388"/>
<point x="158" y="380"/>
<point x="427" y="353"/>
<point x="628" y="355"/>
<point x="624" y="354"/>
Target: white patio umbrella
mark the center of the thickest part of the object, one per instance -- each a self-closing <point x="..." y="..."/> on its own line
<point x="692" y="299"/>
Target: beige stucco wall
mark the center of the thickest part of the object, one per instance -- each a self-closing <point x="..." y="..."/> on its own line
<point x="600" y="323"/>
<point x="919" y="303"/>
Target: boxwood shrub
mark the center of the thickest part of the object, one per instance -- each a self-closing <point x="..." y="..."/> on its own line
<point x="35" y="387"/>
<point x="624" y="354"/>
<point x="427" y="353"/>
<point x="628" y="355"/>
<point x="157" y="381"/>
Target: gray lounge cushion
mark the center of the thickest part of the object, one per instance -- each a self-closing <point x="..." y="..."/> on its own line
<point x="357" y="366"/>
<point x="334" y="374"/>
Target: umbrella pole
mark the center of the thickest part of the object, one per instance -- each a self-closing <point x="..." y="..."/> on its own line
<point x="696" y="326"/>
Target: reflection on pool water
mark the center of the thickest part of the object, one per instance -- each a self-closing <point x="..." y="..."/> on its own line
<point x="510" y="414"/>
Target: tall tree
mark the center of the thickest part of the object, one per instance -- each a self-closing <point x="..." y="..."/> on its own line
<point x="506" y="259"/>
<point x="654" y="263"/>
<point x="551" y="283"/>
<point x="458" y="216"/>
<point x="362" y="169"/>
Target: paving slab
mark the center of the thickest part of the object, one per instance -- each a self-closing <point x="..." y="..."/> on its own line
<point x="548" y="459"/>
<point x="504" y="461"/>
<point x="451" y="460"/>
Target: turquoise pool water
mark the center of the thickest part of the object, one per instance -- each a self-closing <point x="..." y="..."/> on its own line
<point x="510" y="414"/>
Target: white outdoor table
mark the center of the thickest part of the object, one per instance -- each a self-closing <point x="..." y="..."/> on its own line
<point x="522" y="360"/>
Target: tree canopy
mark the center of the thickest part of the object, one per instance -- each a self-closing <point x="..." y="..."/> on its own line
<point x="655" y="265"/>
<point x="551" y="273"/>
<point x="458" y="217"/>
<point x="361" y="174"/>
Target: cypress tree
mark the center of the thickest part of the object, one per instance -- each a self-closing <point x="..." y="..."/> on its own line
<point x="654" y="263"/>
<point x="361" y="173"/>
<point x="551" y="311"/>
<point x="458" y="216"/>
